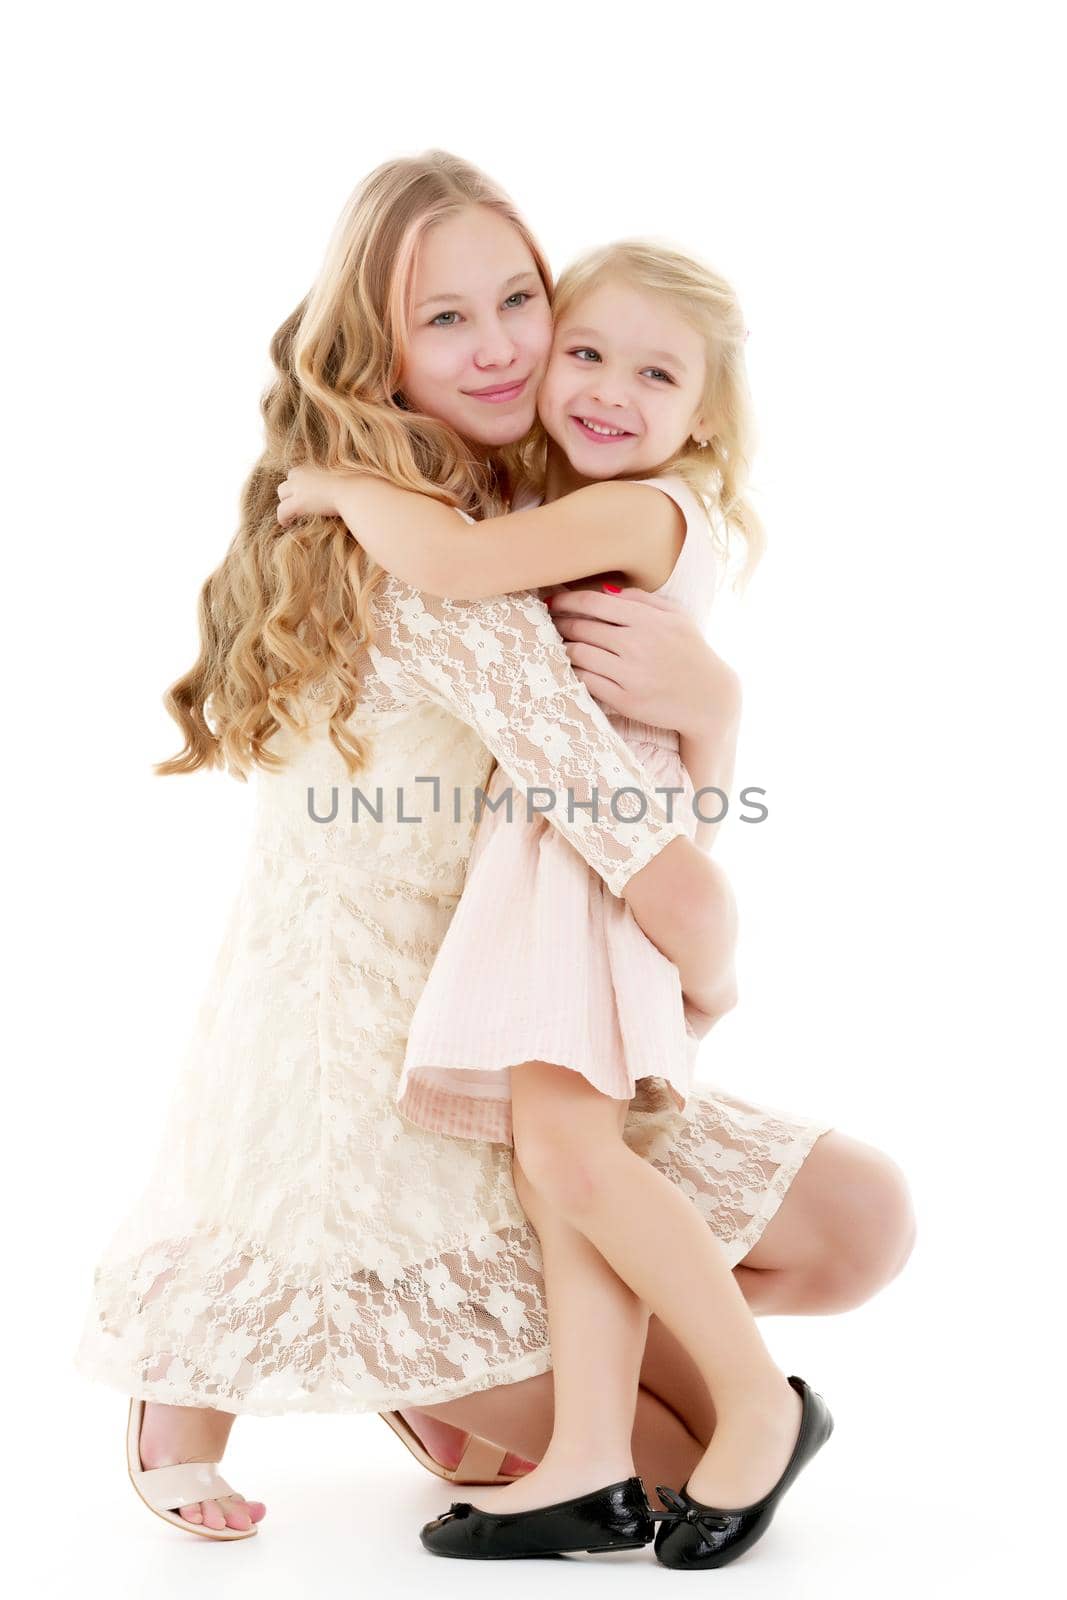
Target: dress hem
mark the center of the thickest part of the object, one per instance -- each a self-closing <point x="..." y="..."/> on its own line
<point x="474" y="1111"/>
<point x="530" y="1365"/>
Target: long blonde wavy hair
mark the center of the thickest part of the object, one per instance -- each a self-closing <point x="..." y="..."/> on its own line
<point x="719" y="473"/>
<point x="286" y="607"/>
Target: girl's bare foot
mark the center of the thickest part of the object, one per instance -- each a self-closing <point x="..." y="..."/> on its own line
<point x="749" y="1450"/>
<point x="446" y="1443"/>
<point x="172" y="1434"/>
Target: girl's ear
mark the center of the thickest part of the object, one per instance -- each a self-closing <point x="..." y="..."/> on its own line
<point x="704" y="425"/>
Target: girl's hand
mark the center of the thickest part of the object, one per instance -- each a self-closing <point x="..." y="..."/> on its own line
<point x="307" y="492"/>
<point x="643" y="656"/>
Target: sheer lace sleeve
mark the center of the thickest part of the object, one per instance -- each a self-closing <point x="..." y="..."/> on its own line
<point x="501" y="667"/>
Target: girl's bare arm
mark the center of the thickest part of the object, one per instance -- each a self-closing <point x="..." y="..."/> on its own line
<point x="683" y="903"/>
<point x="630" y="528"/>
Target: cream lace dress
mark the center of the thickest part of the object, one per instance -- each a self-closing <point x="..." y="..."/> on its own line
<point x="299" y="1245"/>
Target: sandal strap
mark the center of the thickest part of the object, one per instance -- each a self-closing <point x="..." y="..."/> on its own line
<point x="183" y="1484"/>
<point x="480" y="1459"/>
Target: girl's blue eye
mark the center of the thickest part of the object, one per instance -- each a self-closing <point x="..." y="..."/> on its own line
<point x="520" y="294"/>
<point x="586" y="349"/>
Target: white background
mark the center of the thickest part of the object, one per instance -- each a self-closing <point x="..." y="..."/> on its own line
<point x="882" y="185"/>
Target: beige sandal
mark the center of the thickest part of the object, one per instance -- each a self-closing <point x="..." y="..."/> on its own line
<point x="163" y="1489"/>
<point x="479" y="1464"/>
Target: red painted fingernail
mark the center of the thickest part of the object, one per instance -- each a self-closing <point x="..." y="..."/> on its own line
<point x="549" y="599"/>
<point x="612" y="588"/>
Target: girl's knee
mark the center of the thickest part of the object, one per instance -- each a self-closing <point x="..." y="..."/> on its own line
<point x="554" y="1171"/>
<point x="563" y="1133"/>
<point x="897" y="1212"/>
<point x="877" y="1227"/>
<point x="563" y="1170"/>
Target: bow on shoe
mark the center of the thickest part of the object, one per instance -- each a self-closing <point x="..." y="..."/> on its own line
<point x="456" y="1511"/>
<point x="681" y="1511"/>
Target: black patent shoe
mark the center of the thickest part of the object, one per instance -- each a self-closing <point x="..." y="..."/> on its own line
<point x="616" y="1518"/>
<point x="694" y="1536"/>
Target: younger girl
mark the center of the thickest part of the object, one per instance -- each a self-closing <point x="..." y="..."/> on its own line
<point x="547" y="1007"/>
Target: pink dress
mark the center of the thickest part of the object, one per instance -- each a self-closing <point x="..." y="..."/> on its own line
<point x="541" y="962"/>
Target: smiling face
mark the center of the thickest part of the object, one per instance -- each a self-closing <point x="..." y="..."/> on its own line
<point x="480" y="323"/>
<point x="624" y="383"/>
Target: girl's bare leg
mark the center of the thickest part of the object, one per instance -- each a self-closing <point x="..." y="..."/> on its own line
<point x="524" y="1412"/>
<point x="595" y="1380"/>
<point x="568" y="1144"/>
